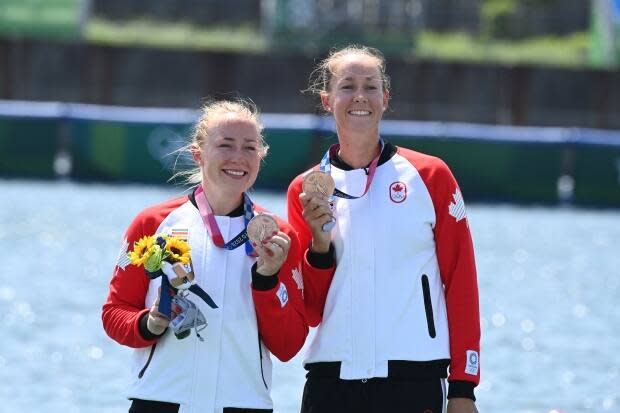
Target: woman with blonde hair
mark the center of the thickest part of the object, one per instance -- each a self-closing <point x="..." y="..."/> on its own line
<point x="242" y="298"/>
<point x="389" y="271"/>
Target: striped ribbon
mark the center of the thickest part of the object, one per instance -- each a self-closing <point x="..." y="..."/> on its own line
<point x="325" y="166"/>
<point x="214" y="231"/>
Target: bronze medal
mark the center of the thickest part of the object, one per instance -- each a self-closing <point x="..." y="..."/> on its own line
<point x="319" y="182"/>
<point x="261" y="227"/>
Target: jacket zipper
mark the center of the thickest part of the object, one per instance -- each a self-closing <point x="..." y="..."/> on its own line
<point x="148" y="361"/>
<point x="428" y="306"/>
<point x="260" y="359"/>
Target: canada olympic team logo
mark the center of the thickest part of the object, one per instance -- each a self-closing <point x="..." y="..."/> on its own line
<point x="398" y="192"/>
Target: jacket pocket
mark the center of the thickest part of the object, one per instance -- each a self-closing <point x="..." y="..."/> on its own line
<point x="428" y="306"/>
<point x="148" y="361"/>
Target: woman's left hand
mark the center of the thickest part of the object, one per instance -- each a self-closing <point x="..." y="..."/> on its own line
<point x="461" y="405"/>
<point x="272" y="254"/>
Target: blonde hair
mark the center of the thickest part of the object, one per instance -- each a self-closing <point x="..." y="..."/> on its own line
<point x="210" y="112"/>
<point x="323" y="73"/>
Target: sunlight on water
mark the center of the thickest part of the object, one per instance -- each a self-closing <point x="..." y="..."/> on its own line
<point x="549" y="292"/>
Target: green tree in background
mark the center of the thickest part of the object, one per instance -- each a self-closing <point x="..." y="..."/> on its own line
<point x="494" y="15"/>
<point x="491" y="13"/>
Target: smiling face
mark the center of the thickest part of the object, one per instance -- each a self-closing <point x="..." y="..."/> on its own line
<point x="230" y="155"/>
<point x="356" y="96"/>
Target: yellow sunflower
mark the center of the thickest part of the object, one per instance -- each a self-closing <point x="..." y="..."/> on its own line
<point x="142" y="250"/>
<point x="177" y="250"/>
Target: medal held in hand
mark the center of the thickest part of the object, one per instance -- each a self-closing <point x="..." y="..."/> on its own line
<point x="261" y="227"/>
<point x="321" y="183"/>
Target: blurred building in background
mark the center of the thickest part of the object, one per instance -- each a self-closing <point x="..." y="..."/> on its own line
<point x="461" y="71"/>
<point x="452" y="60"/>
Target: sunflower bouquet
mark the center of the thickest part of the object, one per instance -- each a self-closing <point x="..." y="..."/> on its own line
<point x="152" y="251"/>
<point x="169" y="257"/>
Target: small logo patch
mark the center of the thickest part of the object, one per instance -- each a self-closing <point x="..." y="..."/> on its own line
<point x="457" y="208"/>
<point x="123" y="260"/>
<point x="398" y="192"/>
<point x="282" y="295"/>
<point x="472" y="363"/>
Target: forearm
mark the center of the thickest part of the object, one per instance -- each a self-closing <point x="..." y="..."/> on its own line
<point x="280" y="314"/>
<point x="318" y="271"/>
<point x="122" y="324"/>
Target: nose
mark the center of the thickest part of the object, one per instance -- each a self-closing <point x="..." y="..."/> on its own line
<point x="360" y="98"/>
<point x="234" y="154"/>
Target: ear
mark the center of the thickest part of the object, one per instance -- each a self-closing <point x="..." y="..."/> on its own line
<point x="196" y="154"/>
<point x="386" y="99"/>
<point x="325" y="101"/>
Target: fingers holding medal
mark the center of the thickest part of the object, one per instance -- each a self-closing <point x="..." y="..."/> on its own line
<point x="318" y="187"/>
<point x="269" y="242"/>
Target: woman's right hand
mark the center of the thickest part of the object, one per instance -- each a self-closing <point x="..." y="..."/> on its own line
<point x="156" y="322"/>
<point x="316" y="212"/>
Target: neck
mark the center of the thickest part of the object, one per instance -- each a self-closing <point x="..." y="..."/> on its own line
<point x="358" y="153"/>
<point x="221" y="202"/>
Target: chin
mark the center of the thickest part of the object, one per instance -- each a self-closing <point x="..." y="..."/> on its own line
<point x="240" y="186"/>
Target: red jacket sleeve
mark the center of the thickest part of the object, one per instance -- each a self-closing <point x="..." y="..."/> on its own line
<point x="316" y="280"/>
<point x="455" y="254"/>
<point x="280" y="310"/>
<point x="125" y="303"/>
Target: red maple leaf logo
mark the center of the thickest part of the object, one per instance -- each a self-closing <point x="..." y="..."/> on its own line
<point x="397" y="188"/>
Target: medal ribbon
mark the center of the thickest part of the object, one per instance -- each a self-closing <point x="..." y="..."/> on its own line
<point x="372" y="168"/>
<point x="166" y="293"/>
<point x="214" y="231"/>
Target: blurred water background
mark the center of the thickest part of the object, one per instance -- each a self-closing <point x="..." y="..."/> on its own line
<point x="549" y="287"/>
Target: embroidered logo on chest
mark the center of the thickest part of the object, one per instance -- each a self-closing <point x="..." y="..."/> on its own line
<point x="398" y="192"/>
<point x="181" y="233"/>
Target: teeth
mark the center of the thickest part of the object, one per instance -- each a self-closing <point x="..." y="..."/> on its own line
<point x="235" y="173"/>
<point x="359" y="112"/>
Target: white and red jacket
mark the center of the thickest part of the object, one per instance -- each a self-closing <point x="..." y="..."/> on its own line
<point x="232" y="366"/>
<point x="404" y="286"/>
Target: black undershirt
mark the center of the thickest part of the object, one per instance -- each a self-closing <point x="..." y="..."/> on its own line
<point x="388" y="151"/>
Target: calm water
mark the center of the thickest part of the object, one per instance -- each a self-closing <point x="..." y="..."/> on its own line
<point x="549" y="285"/>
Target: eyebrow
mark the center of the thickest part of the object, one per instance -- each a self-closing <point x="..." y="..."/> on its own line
<point x="367" y="78"/>
<point x="251" y="140"/>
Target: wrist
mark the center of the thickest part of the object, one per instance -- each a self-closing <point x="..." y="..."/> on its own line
<point x="321" y="260"/>
<point x="319" y="247"/>
<point x="461" y="389"/>
<point x="153" y="328"/>
<point x="263" y="282"/>
<point x="146" y="329"/>
<point x="266" y="272"/>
